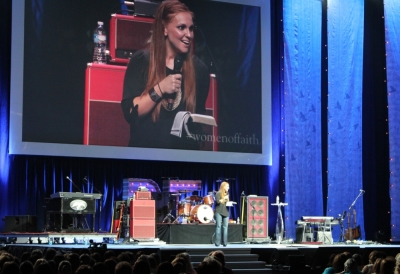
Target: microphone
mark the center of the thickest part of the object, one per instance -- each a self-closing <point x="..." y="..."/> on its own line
<point x="242" y="193"/>
<point x="85" y="178"/>
<point x="178" y="62"/>
<point x="361" y="190"/>
<point x="69" y="179"/>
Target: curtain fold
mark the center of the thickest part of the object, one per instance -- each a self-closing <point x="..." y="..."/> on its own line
<point x="345" y="63"/>
<point x="5" y="64"/>
<point x="302" y="114"/>
<point x="392" y="20"/>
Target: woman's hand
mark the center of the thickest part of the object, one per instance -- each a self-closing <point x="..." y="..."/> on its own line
<point x="171" y="84"/>
<point x="168" y="87"/>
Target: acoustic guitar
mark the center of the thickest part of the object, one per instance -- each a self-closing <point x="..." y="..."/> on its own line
<point x="352" y="233"/>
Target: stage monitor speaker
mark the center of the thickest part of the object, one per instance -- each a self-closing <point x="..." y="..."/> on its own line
<point x="20" y="223"/>
<point x="257" y="217"/>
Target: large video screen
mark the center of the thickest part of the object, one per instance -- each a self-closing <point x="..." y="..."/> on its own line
<point x="64" y="104"/>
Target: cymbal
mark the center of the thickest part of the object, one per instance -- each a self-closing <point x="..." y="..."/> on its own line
<point x="194" y="198"/>
<point x="185" y="191"/>
<point x="176" y="194"/>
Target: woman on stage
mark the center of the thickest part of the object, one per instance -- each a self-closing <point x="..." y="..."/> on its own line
<point x="221" y="215"/>
<point x="164" y="79"/>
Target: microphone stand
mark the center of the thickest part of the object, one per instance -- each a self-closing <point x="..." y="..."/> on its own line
<point x="359" y="195"/>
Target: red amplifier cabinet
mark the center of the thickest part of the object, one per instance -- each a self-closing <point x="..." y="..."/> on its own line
<point x="104" y="123"/>
<point x="142" y="229"/>
<point x="257" y="217"/>
<point x="142" y="219"/>
<point x="143" y="209"/>
<point x="142" y="195"/>
<point x="128" y="34"/>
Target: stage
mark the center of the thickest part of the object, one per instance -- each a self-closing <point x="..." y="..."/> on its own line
<point x="243" y="256"/>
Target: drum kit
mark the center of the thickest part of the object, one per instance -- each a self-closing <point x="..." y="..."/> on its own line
<point x="194" y="209"/>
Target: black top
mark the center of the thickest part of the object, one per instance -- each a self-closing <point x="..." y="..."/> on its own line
<point x="220" y="208"/>
<point x="143" y="131"/>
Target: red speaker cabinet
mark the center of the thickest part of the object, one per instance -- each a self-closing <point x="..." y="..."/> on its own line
<point x="142" y="219"/>
<point x="142" y="229"/>
<point x="128" y="34"/>
<point x="104" y="123"/>
<point x="257" y="217"/>
<point x="143" y="209"/>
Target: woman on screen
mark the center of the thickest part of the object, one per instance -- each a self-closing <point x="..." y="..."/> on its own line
<point x="221" y="215"/>
<point x="163" y="80"/>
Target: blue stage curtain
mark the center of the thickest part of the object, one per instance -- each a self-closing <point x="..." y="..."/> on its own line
<point x="392" y="20"/>
<point x="302" y="115"/>
<point x="345" y="63"/>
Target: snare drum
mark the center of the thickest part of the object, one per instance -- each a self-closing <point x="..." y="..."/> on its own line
<point x="208" y="200"/>
<point x="184" y="209"/>
<point x="202" y="213"/>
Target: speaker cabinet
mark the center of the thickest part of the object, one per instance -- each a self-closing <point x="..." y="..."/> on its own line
<point x="143" y="209"/>
<point x="104" y="123"/>
<point x="142" y="229"/>
<point x="142" y="219"/>
<point x="24" y="223"/>
<point x="127" y="35"/>
<point x="257" y="217"/>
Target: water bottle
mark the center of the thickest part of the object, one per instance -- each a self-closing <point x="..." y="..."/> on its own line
<point x="238" y="220"/>
<point x="100" y="44"/>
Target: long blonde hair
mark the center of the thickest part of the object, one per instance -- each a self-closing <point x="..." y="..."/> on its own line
<point x="164" y="15"/>
<point x="222" y="190"/>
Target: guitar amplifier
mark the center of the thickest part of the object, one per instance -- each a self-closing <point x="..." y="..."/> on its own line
<point x="128" y="34"/>
<point x="142" y="195"/>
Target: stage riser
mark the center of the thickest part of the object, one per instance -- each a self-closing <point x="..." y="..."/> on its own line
<point x="196" y="233"/>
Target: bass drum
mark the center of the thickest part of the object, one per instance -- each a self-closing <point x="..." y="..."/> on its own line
<point x="202" y="213"/>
